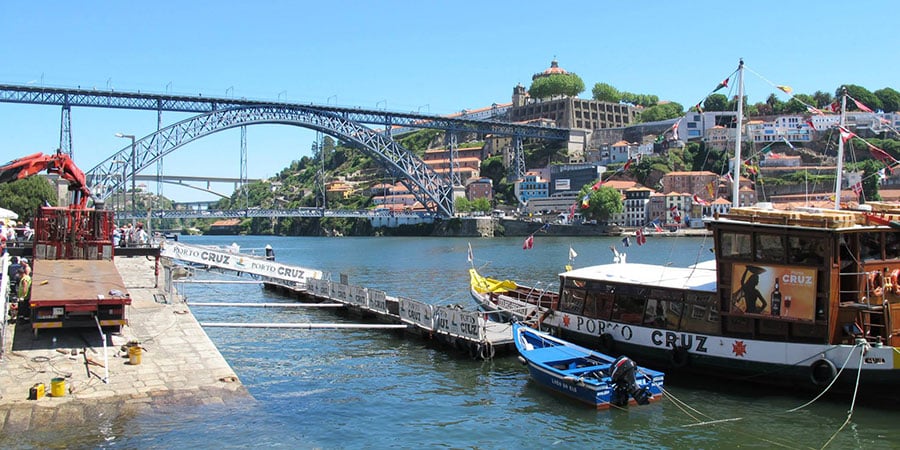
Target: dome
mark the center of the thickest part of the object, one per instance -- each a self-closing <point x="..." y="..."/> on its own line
<point x="554" y="69"/>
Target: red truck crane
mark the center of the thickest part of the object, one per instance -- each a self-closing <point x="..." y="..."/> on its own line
<point x="75" y="282"/>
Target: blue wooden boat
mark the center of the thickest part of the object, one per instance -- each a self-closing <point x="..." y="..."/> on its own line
<point x="585" y="375"/>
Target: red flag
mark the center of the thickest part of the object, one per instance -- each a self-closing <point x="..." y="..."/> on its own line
<point x="814" y="110"/>
<point x="699" y="108"/>
<point x="811" y="124"/>
<point x="627" y="164"/>
<point x="846" y="134"/>
<point x="723" y="84"/>
<point x="835" y="106"/>
<point x="657" y="227"/>
<point x="572" y="210"/>
<point x="857" y="188"/>
<point x="597" y="185"/>
<point x="639" y="237"/>
<point x="699" y="200"/>
<point x="881" y="155"/>
<point x="860" y="105"/>
<point x="529" y="242"/>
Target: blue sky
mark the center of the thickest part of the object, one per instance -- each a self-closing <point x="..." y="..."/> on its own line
<point x="428" y="56"/>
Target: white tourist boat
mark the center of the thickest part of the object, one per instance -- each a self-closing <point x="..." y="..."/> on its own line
<point x="800" y="298"/>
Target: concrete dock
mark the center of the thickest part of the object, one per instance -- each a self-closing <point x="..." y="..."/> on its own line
<point x="178" y="363"/>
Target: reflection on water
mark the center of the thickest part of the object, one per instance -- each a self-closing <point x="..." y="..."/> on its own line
<point x="374" y="389"/>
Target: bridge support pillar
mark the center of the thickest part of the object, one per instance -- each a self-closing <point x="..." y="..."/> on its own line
<point x="65" y="129"/>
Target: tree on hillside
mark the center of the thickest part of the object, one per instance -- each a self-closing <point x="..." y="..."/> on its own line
<point x="602" y="203"/>
<point x="555" y="85"/>
<point x="716" y="102"/>
<point x="794" y="105"/>
<point x="664" y="111"/>
<point x="606" y="93"/>
<point x="890" y="99"/>
<point x="645" y="100"/>
<point x="862" y="95"/>
<point x="822" y="99"/>
<point x="25" y="196"/>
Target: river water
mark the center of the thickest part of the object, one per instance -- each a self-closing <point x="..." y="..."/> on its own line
<point x="375" y="389"/>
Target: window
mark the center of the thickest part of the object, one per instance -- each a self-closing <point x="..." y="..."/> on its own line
<point x="701" y="313"/>
<point x="572" y="301"/>
<point x="598" y="305"/>
<point x="629" y="307"/>
<point x="735" y="245"/>
<point x="870" y="246"/>
<point x="806" y="250"/>
<point x="769" y="247"/>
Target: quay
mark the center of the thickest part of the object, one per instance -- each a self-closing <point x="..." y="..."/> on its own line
<point x="178" y="364"/>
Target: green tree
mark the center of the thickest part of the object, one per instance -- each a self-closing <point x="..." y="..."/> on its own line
<point x="861" y="95"/>
<point x="462" y="205"/>
<point x="822" y="99"/>
<point x="481" y="204"/>
<point x="557" y="84"/>
<point x="25" y="196"/>
<point x="603" y="202"/>
<point x="796" y="105"/>
<point x="664" y="111"/>
<point x="606" y="93"/>
<point x="716" y="102"/>
<point x="890" y="99"/>
<point x="645" y="100"/>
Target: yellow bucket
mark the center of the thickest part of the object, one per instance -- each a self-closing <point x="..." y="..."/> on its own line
<point x="134" y="355"/>
<point x="58" y="387"/>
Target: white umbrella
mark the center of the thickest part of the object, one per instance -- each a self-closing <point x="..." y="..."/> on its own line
<point x="7" y="214"/>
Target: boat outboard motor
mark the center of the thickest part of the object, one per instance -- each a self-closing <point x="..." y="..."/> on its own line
<point x="624" y="383"/>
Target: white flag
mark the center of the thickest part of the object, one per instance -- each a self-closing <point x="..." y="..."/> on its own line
<point x="470" y="256"/>
<point x="572" y="253"/>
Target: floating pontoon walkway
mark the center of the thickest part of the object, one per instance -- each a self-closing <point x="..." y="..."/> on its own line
<point x="464" y="330"/>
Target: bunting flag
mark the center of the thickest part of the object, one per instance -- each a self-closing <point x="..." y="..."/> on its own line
<point x="882" y="156"/>
<point x="586" y="201"/>
<point x="660" y="138"/>
<point x="572" y="210"/>
<point x="627" y="164"/>
<point x="881" y="175"/>
<point x="836" y="106"/>
<point x="656" y="227"/>
<point x="846" y="134"/>
<point x="723" y="84"/>
<point x="814" y="110"/>
<point x="544" y="227"/>
<point x="626" y="242"/>
<point x="597" y="185"/>
<point x="700" y="201"/>
<point x="860" y="105"/>
<point x="699" y="108"/>
<point x="572" y="254"/>
<point x="729" y="178"/>
<point x="786" y="141"/>
<point x="710" y="188"/>
<point x="470" y="256"/>
<point x="766" y="149"/>
<point x="785" y="89"/>
<point x="675" y="131"/>
<point x="639" y="237"/>
<point x="857" y="188"/>
<point x="529" y="243"/>
<point x="811" y="124"/>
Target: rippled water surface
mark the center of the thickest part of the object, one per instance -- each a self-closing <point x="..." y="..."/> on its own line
<point x="376" y="389"/>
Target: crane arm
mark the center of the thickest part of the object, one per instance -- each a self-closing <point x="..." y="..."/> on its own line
<point x="59" y="163"/>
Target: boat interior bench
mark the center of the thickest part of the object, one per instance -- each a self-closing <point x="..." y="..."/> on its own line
<point x="581" y="370"/>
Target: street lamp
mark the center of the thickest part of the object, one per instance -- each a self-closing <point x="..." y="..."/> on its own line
<point x="133" y="170"/>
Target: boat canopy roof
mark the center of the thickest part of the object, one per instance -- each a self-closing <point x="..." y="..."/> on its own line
<point x="700" y="277"/>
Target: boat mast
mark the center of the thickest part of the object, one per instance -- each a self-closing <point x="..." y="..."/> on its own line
<point x="840" y="153"/>
<point x="736" y="184"/>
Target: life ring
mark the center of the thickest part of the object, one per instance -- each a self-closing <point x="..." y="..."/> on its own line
<point x="895" y="274"/>
<point x="875" y="284"/>
<point x="822" y="372"/>
<point x="679" y="356"/>
<point x="607" y="343"/>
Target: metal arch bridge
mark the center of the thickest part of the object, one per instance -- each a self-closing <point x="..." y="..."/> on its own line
<point x="431" y="189"/>
<point x="267" y="213"/>
<point x="184" y="180"/>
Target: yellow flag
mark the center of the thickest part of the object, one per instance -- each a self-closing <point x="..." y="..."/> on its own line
<point x="786" y="89"/>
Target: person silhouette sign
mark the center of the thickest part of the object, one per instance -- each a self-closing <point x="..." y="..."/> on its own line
<point x="754" y="302"/>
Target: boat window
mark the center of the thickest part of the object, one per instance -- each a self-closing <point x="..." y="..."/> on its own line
<point x="701" y="314"/>
<point x="628" y="308"/>
<point x="806" y="250"/>
<point x="662" y="314"/>
<point x="870" y="246"/>
<point x="735" y="245"/>
<point x="572" y="301"/>
<point x="769" y="247"/>
<point x="598" y="305"/>
<point x="892" y="246"/>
